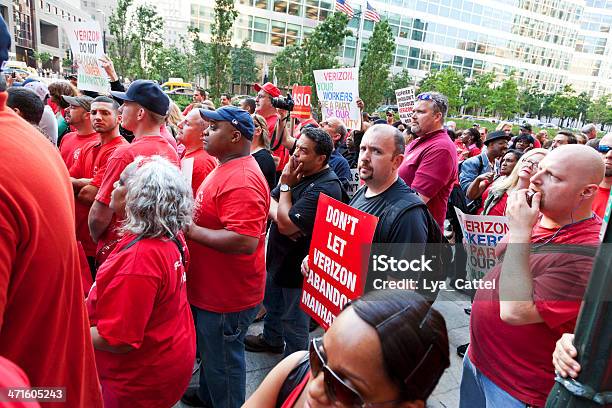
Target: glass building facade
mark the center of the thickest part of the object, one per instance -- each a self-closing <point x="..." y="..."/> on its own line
<point x="549" y="43"/>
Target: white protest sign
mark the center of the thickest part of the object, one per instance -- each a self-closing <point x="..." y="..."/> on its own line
<point x="481" y="234"/>
<point x="405" y="103"/>
<point x="86" y="44"/>
<point x="353" y="183"/>
<point x="338" y="91"/>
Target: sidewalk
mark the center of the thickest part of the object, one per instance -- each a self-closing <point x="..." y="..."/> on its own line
<point x="446" y="394"/>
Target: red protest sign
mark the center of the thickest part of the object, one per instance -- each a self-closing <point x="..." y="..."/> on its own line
<point x="301" y="97"/>
<point x="337" y="260"/>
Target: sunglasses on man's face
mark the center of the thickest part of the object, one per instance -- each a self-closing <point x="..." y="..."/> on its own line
<point x="336" y="389"/>
<point x="604" y="148"/>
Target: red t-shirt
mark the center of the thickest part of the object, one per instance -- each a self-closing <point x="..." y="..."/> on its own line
<point x="119" y="160"/>
<point x="235" y="197"/>
<point x="518" y="358"/>
<point x="203" y="164"/>
<point x="282" y="151"/>
<point x="536" y="143"/>
<point x="601" y="201"/>
<point x="71" y="145"/>
<point x="139" y="299"/>
<point x="43" y="321"/>
<point x="91" y="163"/>
<point x="430" y="168"/>
<point x="499" y="208"/>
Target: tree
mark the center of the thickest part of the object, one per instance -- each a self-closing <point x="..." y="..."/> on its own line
<point x="169" y="62"/>
<point x="374" y="68"/>
<point x="222" y="29"/>
<point x="149" y="27"/>
<point x="287" y="65"/>
<point x="448" y="82"/>
<point x="532" y="101"/>
<point x="478" y="93"/>
<point x="583" y="102"/>
<point x="202" y="65"/>
<point x="600" y="111"/>
<point x="322" y="47"/>
<point x="398" y="81"/>
<point x="504" y="99"/>
<point x="122" y="47"/>
<point x="563" y="104"/>
<point x="244" y="69"/>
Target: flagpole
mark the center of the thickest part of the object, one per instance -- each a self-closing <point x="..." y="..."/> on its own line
<point x="359" y="37"/>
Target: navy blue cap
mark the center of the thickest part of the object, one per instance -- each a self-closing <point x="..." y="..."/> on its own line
<point x="147" y="94"/>
<point x="5" y="41"/>
<point x="239" y="118"/>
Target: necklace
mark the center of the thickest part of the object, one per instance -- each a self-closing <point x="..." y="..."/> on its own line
<point x="559" y="230"/>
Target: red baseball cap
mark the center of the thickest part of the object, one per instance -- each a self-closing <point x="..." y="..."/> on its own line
<point x="269" y="88"/>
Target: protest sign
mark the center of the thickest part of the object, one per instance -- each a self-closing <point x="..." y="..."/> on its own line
<point x="354" y="183"/>
<point x="338" y="91"/>
<point x="481" y="233"/>
<point x="87" y="48"/>
<point x="405" y="103"/>
<point x="301" y="97"/>
<point x="337" y="260"/>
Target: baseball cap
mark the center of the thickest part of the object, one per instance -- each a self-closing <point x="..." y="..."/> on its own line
<point x="82" y="101"/>
<point x="5" y="41"/>
<point x="269" y="88"/>
<point x="41" y="89"/>
<point x="147" y="94"/>
<point x="239" y="118"/>
<point x="526" y="126"/>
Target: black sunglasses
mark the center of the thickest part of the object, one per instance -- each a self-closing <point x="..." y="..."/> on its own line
<point x="335" y="388"/>
<point x="604" y="148"/>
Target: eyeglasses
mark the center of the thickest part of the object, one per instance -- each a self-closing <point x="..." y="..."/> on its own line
<point x="261" y="96"/>
<point x="425" y="96"/>
<point x="335" y="388"/>
<point x="604" y="148"/>
<point x="533" y="165"/>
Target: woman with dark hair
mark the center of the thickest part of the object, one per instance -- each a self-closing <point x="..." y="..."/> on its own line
<point x="473" y="143"/>
<point x="388" y="347"/>
<point x="260" y="150"/>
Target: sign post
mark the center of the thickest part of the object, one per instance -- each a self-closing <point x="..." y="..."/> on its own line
<point x="337" y="260"/>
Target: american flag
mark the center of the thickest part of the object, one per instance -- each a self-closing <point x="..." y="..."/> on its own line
<point x="371" y="13"/>
<point x="344" y="7"/>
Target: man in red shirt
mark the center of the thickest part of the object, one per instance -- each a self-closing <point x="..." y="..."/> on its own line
<point x="143" y="112"/>
<point x="226" y="277"/>
<point x="526" y="302"/>
<point x="603" y="193"/>
<point x="77" y="115"/>
<point x="264" y="107"/>
<point x="88" y="170"/>
<point x="43" y="322"/>
<point x="430" y="164"/>
<point x="196" y="163"/>
<point x="199" y="96"/>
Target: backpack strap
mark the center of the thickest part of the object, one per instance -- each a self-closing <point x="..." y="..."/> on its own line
<point x="294" y="378"/>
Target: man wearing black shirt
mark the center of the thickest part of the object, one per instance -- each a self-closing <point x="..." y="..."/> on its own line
<point x="293" y="210"/>
<point x="386" y="196"/>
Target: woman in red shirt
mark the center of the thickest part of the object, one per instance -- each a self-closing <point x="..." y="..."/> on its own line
<point x="495" y="196"/>
<point x="141" y="324"/>
<point x="387" y="348"/>
<point x="473" y="143"/>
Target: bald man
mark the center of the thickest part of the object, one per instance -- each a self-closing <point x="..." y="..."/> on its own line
<point x="534" y="294"/>
<point x="603" y="193"/>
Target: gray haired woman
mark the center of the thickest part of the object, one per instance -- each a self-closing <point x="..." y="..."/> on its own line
<point x="141" y="324"/>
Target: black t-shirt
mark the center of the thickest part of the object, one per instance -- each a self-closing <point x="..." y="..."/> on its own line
<point x="284" y="256"/>
<point x="405" y="230"/>
<point x="267" y="166"/>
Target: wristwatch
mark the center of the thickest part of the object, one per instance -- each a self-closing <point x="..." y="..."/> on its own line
<point x="284" y="188"/>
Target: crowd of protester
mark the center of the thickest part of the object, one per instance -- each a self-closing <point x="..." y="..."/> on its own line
<point x="141" y="241"/>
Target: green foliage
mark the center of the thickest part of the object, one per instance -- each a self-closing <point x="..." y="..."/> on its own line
<point x="398" y="81"/>
<point x="448" y="82"/>
<point x="169" y="62"/>
<point x="600" y="111"/>
<point x="201" y="54"/>
<point x="564" y="104"/>
<point x="504" y="99"/>
<point x="181" y="100"/>
<point x="320" y="50"/>
<point x="531" y="101"/>
<point x="244" y="69"/>
<point x="287" y="65"/>
<point x="149" y="27"/>
<point x="374" y="69"/>
<point x="478" y="93"/>
<point x="220" y="47"/>
<point x="122" y="49"/>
